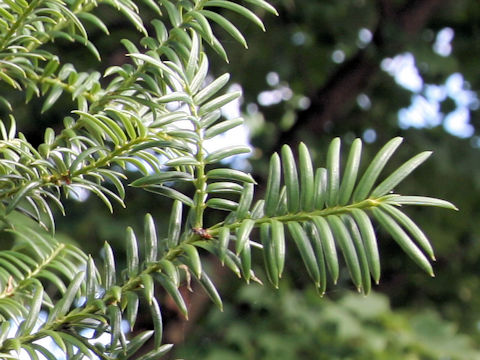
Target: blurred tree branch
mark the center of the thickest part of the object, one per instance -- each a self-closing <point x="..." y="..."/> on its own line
<point x="338" y="92"/>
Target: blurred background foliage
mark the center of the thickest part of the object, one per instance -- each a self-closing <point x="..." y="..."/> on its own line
<point x="350" y="68"/>
<point x="300" y="325"/>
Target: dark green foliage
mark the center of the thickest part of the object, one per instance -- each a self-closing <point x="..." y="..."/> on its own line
<point x="301" y="325"/>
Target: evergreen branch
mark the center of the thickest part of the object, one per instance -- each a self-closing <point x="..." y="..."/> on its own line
<point x="327" y="212"/>
<point x="137" y="118"/>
